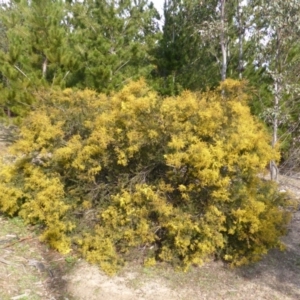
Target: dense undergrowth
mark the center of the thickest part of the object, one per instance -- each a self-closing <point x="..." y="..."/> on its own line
<point x="176" y="176"/>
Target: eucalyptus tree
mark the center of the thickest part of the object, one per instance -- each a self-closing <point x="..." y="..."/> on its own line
<point x="203" y="42"/>
<point x="276" y="37"/>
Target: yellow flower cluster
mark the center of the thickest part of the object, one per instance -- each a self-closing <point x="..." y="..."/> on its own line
<point x="176" y="176"/>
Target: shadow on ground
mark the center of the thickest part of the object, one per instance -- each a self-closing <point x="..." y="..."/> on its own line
<point x="280" y="270"/>
<point x="56" y="267"/>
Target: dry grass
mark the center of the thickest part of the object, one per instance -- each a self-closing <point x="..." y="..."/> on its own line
<point x="17" y="248"/>
<point x="28" y="268"/>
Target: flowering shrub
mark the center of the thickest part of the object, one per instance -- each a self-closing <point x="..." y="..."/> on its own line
<point x="176" y="176"/>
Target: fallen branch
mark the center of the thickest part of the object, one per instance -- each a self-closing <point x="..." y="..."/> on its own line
<point x="18" y="241"/>
<point x="4" y="261"/>
<point x="16" y="67"/>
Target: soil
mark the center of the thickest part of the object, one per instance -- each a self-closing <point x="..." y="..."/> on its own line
<point x="30" y="270"/>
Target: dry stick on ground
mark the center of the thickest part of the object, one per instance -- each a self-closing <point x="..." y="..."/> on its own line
<point x="18" y="241"/>
<point x="4" y="261"/>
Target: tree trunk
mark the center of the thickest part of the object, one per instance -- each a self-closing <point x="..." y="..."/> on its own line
<point x="223" y="42"/>
<point x="274" y="172"/>
<point x="45" y="65"/>
<point x="241" y="36"/>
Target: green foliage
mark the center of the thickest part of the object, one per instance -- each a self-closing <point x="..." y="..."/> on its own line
<point x="36" y="52"/>
<point x="174" y="176"/>
<point x="112" y="40"/>
<point x="94" y="44"/>
<point x="183" y="58"/>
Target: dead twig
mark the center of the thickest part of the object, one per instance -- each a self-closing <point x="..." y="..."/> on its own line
<point x="18" y="241"/>
<point x="6" y="262"/>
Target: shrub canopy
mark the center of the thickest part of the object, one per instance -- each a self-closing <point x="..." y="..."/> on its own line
<point x="176" y="176"/>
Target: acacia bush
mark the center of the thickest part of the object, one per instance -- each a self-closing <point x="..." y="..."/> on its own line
<point x="176" y="177"/>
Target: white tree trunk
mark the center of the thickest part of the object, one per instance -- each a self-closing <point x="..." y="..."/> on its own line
<point x="277" y="94"/>
<point x="44" y="68"/>
<point x="241" y="37"/>
<point x="223" y="41"/>
<point x="273" y="167"/>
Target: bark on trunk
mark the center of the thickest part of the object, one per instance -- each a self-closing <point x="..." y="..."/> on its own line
<point x="45" y="65"/>
<point x="241" y="36"/>
<point x="274" y="172"/>
<point x="223" y="42"/>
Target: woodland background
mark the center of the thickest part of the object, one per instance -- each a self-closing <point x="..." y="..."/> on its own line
<point x="103" y="44"/>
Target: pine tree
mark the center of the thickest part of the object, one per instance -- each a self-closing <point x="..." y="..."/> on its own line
<point x="183" y="57"/>
<point x="96" y="44"/>
<point x="113" y="40"/>
<point x="36" y="53"/>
